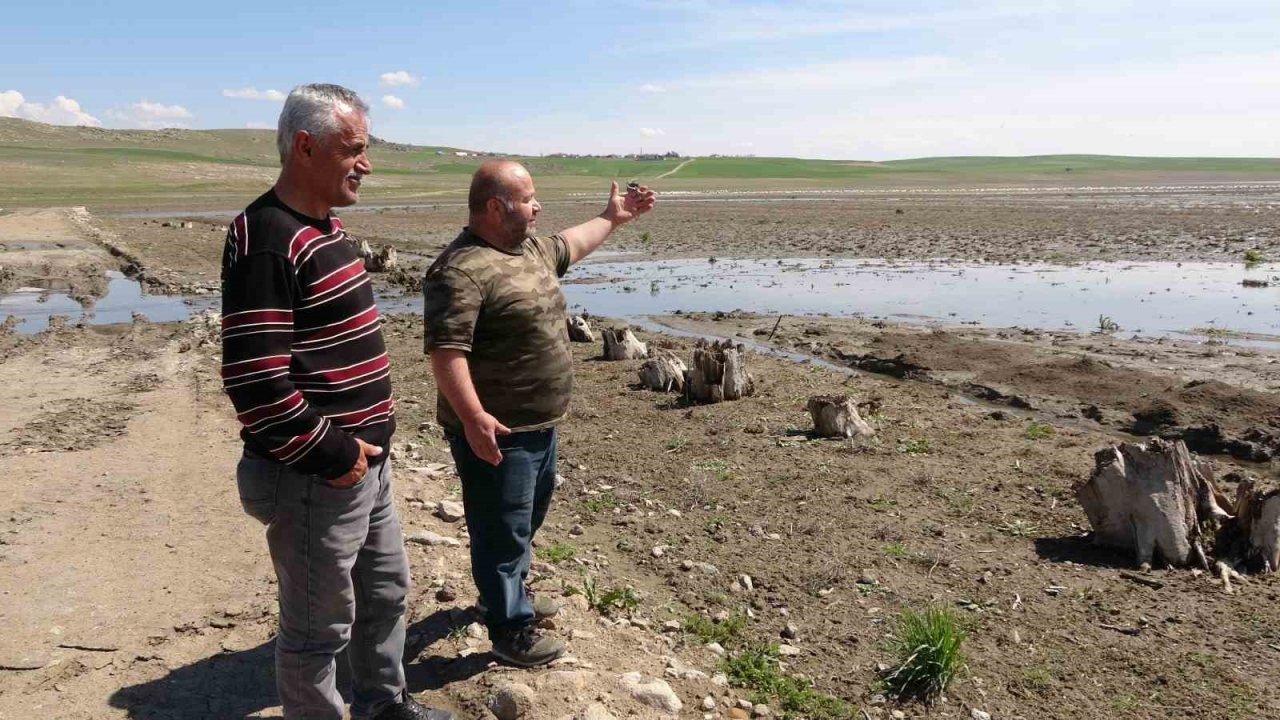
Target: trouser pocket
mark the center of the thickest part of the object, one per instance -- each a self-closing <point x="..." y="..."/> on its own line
<point x="258" y="481"/>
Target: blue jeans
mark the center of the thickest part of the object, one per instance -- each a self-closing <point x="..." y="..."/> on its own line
<point x="343" y="576"/>
<point x="505" y="505"/>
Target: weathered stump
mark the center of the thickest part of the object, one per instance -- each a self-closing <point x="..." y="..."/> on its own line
<point x="663" y="371"/>
<point x="382" y="260"/>
<point x="1151" y="498"/>
<point x="580" y="329"/>
<point x="622" y="345"/>
<point x="1258" y="517"/>
<point x="837" y="416"/>
<point x="719" y="373"/>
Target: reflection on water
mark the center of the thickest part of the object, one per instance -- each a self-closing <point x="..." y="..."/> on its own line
<point x="34" y="306"/>
<point x="1149" y="299"/>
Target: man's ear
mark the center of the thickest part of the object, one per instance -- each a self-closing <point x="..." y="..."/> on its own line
<point x="303" y="145"/>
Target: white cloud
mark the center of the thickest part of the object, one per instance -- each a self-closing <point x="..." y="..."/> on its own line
<point x="860" y="74"/>
<point x="651" y="132"/>
<point x="397" y="79"/>
<point x="652" y="88"/>
<point x="252" y="93"/>
<point x="393" y="102"/>
<point x="150" y="115"/>
<point x="148" y="110"/>
<point x="62" y="111"/>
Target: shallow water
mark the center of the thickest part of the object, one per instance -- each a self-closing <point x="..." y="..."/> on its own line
<point x="33" y="306"/>
<point x="1146" y="299"/>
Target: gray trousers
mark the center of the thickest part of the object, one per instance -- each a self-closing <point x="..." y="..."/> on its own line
<point x="343" y="576"/>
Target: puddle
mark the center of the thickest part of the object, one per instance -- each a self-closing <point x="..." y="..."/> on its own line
<point x="1146" y="299"/>
<point x="33" y="306"/>
<point x="1191" y="300"/>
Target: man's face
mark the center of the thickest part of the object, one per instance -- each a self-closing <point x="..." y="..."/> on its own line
<point x="340" y="160"/>
<point x="520" y="219"/>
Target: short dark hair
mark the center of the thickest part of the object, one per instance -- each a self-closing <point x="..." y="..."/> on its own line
<point x="486" y="184"/>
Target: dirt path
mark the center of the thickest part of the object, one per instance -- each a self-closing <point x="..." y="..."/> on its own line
<point x="675" y="169"/>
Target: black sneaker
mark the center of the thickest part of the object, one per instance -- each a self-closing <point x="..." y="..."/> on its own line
<point x="526" y="647"/>
<point x="410" y="709"/>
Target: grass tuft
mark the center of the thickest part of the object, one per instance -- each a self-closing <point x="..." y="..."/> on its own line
<point x="709" y="631"/>
<point x="556" y="553"/>
<point x="927" y="654"/>
<point x="756" y="668"/>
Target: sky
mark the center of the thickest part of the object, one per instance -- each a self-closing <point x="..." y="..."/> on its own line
<point x="873" y="80"/>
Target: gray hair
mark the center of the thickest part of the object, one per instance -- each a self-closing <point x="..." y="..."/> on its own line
<point x="314" y="108"/>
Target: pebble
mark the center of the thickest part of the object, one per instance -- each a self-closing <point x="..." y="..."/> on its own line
<point x="450" y="511"/>
<point x="653" y="692"/>
<point x="686" y="565"/>
<point x="898" y="715"/>
<point x="746" y="583"/>
<point x="789" y="650"/>
<point x="745" y="704"/>
<point x="576" y="530"/>
<point x="716" y="648"/>
<point x="761" y="711"/>
<point x="658" y="551"/>
<point x="671" y="626"/>
<point x="977" y="714"/>
<point x="720" y="680"/>
<point x="444" y="594"/>
<point x="789" y="631"/>
<point x="708" y="703"/>
<point x="428" y="538"/>
<point x="511" y="701"/>
<point x="596" y="711"/>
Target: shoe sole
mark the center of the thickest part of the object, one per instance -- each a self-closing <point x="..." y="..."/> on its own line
<point x="527" y="663"/>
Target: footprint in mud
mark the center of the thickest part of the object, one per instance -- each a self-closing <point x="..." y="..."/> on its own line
<point x="74" y="424"/>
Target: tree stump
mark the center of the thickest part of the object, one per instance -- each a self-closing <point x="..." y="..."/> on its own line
<point x="719" y="373"/>
<point x="1151" y="498"/>
<point x="1258" y="515"/>
<point x="663" y="371"/>
<point x="622" y="345"/>
<point x="837" y="416"/>
<point x="580" y="329"/>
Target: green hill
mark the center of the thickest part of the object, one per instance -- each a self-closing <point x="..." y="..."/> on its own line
<point x="58" y="165"/>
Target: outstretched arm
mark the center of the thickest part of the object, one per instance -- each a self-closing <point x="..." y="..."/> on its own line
<point x="621" y="209"/>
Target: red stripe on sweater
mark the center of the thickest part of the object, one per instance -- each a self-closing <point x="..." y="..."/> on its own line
<point x="256" y="317"/>
<point x="250" y="417"/>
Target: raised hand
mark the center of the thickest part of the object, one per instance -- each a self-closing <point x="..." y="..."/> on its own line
<point x="625" y="207"/>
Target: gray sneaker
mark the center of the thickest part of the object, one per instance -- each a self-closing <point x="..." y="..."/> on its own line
<point x="543" y="607"/>
<point x="526" y="647"/>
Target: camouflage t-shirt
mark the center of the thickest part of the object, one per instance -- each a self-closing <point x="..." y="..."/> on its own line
<point x="507" y="312"/>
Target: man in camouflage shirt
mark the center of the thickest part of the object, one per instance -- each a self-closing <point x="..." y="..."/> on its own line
<point x="499" y="347"/>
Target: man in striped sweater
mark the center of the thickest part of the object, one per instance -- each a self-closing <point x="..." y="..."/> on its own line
<point x="306" y="367"/>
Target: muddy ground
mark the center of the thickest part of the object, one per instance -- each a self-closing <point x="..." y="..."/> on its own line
<point x="134" y="587"/>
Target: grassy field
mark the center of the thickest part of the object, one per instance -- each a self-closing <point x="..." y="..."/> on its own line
<point x="216" y="168"/>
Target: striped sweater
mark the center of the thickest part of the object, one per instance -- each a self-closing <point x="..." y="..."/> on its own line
<point x="303" y="359"/>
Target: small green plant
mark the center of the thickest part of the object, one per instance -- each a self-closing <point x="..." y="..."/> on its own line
<point x="1253" y="256"/>
<point x="458" y="633"/>
<point x="674" y="444"/>
<point x="1017" y="527"/>
<point x="714" y="525"/>
<point x="556" y="553"/>
<point x="914" y="447"/>
<point x="927" y="652"/>
<point x="756" y="668"/>
<point x="607" y="600"/>
<point x="1037" y="430"/>
<point x="883" y="504"/>
<point x="645" y="237"/>
<point x="1125" y="703"/>
<point x="1037" y="679"/>
<point x="1107" y="326"/>
<point x="894" y="550"/>
<point x="709" y="631"/>
<point x="719" y="468"/>
<point x="599" y="503"/>
<point x="623" y="598"/>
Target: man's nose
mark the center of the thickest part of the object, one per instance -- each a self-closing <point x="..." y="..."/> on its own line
<point x="537" y="207"/>
<point x="363" y="165"/>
